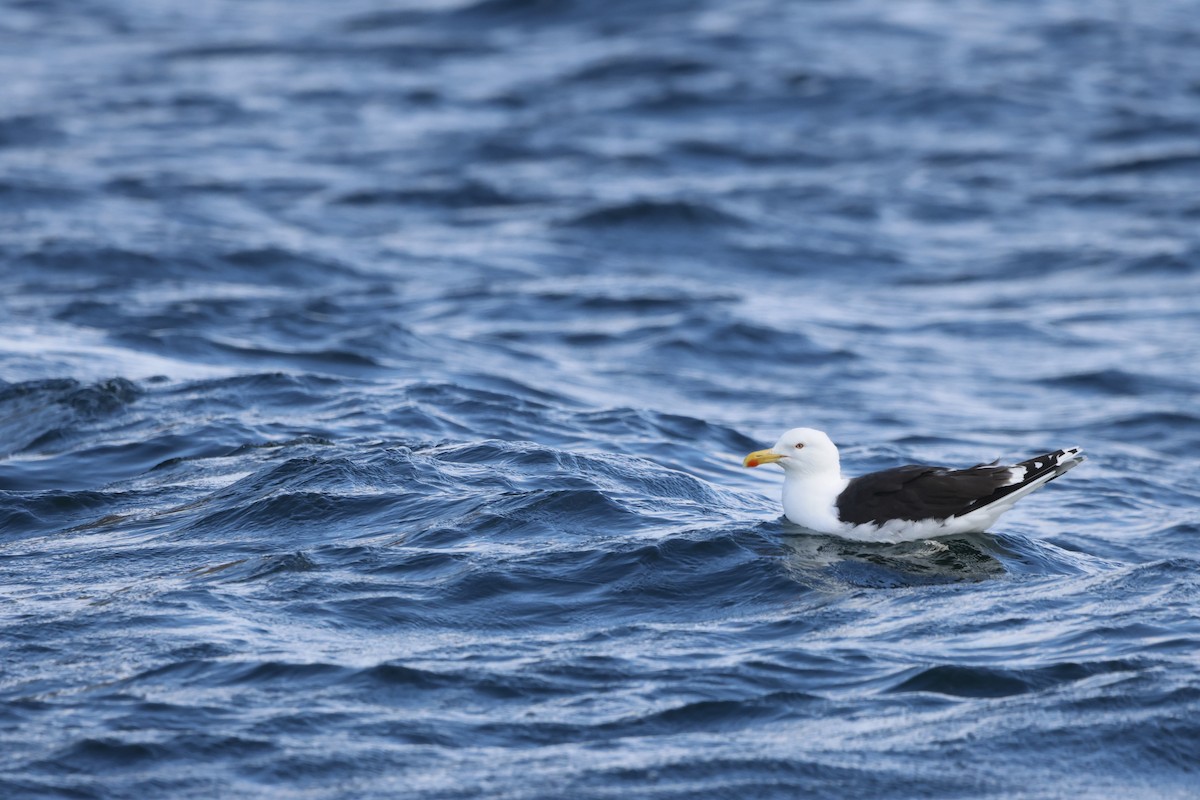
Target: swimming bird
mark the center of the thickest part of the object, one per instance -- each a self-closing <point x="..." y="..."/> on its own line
<point x="904" y="503"/>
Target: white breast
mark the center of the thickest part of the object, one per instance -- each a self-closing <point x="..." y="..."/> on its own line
<point x="811" y="501"/>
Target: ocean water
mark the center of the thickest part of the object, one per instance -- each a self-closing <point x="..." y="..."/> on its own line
<point x="375" y="377"/>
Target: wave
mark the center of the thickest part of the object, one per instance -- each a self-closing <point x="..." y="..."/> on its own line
<point x="971" y="681"/>
<point x="668" y="215"/>
<point x="1119" y="382"/>
<point x="269" y="265"/>
<point x="468" y="194"/>
<point x="43" y="415"/>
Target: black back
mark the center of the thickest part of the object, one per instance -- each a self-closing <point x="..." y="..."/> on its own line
<point x="916" y="492"/>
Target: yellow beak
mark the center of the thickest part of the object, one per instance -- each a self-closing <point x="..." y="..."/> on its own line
<point x="761" y="457"/>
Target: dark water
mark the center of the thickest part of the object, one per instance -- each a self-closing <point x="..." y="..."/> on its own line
<point x="376" y="376"/>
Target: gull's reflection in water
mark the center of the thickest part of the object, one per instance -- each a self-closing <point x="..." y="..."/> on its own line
<point x="827" y="562"/>
<point x="823" y="561"/>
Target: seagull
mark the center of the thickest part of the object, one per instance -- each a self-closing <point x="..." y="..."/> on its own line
<point x="904" y="503"/>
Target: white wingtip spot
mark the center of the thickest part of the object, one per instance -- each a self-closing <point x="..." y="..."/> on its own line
<point x="1015" y="475"/>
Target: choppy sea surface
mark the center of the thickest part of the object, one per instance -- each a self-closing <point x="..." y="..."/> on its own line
<point x="374" y="379"/>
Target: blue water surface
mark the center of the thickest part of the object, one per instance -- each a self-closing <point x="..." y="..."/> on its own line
<point x="375" y="376"/>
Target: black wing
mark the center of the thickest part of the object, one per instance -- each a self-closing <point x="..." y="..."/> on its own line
<point x="917" y="492"/>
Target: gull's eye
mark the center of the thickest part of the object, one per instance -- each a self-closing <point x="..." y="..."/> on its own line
<point x="800" y="445"/>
